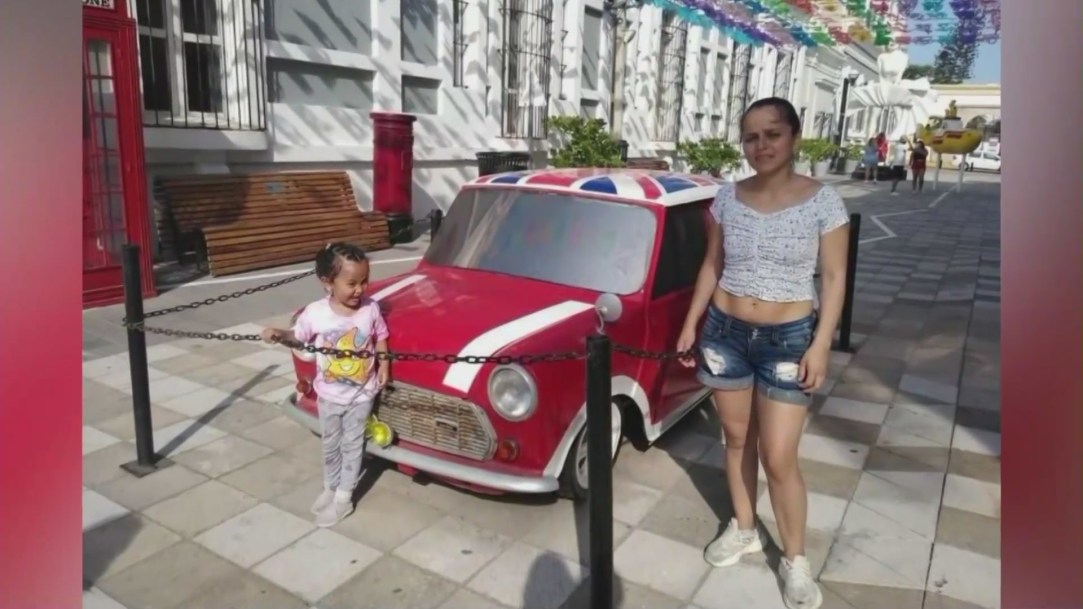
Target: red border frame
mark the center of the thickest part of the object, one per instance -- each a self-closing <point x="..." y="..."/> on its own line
<point x="40" y="406"/>
<point x="1042" y="308"/>
<point x="40" y="434"/>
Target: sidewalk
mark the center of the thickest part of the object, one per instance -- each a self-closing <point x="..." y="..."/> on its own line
<point x="901" y="458"/>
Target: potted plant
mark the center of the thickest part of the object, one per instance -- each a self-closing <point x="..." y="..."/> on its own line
<point x="801" y="162"/>
<point x="818" y="152"/>
<point x="713" y="156"/>
<point x="852" y="157"/>
<point x="583" y="142"/>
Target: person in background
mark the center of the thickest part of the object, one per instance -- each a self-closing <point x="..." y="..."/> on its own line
<point x="898" y="164"/>
<point x="871" y="160"/>
<point x="917" y="165"/>
<point x="881" y="147"/>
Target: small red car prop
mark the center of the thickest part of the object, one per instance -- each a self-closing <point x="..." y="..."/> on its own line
<point x="526" y="263"/>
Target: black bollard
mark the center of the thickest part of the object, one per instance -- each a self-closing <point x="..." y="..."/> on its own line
<point x="600" y="470"/>
<point x="436" y="217"/>
<point x="146" y="461"/>
<point x="847" y="318"/>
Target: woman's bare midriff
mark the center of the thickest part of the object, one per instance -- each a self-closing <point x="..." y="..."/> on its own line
<point x="760" y="312"/>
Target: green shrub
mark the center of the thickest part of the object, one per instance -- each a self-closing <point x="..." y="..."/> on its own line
<point x="585" y="143"/>
<point x="710" y="155"/>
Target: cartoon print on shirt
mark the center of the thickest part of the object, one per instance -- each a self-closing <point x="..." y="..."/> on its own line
<point x="351" y="370"/>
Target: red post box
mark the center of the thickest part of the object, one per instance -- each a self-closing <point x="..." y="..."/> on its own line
<point x="393" y="171"/>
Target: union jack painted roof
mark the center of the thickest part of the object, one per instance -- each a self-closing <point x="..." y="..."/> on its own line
<point x="652" y="186"/>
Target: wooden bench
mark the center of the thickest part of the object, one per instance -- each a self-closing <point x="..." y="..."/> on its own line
<point x="239" y="223"/>
<point x="645" y="163"/>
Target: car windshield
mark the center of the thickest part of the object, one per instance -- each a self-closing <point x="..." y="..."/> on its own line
<point x="563" y="239"/>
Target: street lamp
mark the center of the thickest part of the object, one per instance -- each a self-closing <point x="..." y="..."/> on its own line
<point x="849" y="77"/>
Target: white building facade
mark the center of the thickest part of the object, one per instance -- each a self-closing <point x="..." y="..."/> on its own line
<point x="237" y="86"/>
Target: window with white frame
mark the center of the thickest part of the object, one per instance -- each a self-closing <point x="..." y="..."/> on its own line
<point x="340" y="25"/>
<point x="592" y="48"/>
<point x="718" y="90"/>
<point x="527" y="53"/>
<point x="701" y="85"/>
<point x="671" y="63"/>
<point x="740" y="75"/>
<point x="418" y="26"/>
<point x="783" y="74"/>
<point x="201" y="63"/>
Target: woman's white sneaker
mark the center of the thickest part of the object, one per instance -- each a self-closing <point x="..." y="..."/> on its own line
<point x="732" y="544"/>
<point x="799" y="590"/>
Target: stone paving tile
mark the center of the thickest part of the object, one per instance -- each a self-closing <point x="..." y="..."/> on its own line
<point x="965" y="576"/>
<point x="453" y="549"/>
<point x="223" y="456"/>
<point x="317" y="564"/>
<point x="200" y="508"/>
<point x="184" y="435"/>
<point x="95" y="440"/>
<point x="279" y="433"/>
<point x="242" y="415"/>
<point x="255" y="534"/>
<point x="273" y="475"/>
<point x="121" y="543"/>
<point x="99" y="509"/>
<point x="913" y="412"/>
<point x="187" y="575"/>
<point x="101" y="402"/>
<point x="526" y="576"/>
<point x="123" y="426"/>
<point x="391" y="582"/>
<point x="94" y="598"/>
<point x="141" y="493"/>
<point x="626" y="595"/>
<point x="103" y="466"/>
<point x="565" y="530"/>
<point x="678" y="576"/>
<point x="969" y="531"/>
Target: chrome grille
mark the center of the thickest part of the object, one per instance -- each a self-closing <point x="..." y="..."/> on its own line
<point x="438" y="421"/>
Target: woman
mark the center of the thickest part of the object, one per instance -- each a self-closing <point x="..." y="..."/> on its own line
<point x="871" y="159"/>
<point x="763" y="349"/>
<point x="917" y="165"/>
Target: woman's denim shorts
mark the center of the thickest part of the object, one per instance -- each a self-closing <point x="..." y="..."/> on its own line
<point x="735" y="355"/>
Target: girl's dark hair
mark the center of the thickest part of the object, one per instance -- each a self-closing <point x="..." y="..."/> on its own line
<point x="784" y="108"/>
<point x="329" y="259"/>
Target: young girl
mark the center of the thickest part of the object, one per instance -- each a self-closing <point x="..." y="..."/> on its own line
<point x="347" y="386"/>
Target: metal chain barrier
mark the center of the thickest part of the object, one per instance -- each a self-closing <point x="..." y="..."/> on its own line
<point x="559" y="356"/>
<point x="247" y="292"/>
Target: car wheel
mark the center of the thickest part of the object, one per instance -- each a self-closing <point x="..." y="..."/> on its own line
<point x="574" y="483"/>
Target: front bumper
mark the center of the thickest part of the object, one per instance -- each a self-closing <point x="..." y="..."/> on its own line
<point x="434" y="465"/>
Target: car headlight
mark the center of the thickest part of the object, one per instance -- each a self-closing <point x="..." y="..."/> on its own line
<point x="512" y="392"/>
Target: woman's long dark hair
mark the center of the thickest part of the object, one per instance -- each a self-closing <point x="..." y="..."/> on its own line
<point x="784" y="108"/>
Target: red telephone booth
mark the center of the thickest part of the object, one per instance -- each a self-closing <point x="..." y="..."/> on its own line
<point x="115" y="208"/>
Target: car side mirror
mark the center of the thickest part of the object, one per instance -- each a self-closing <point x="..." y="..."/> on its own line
<point x="609" y="308"/>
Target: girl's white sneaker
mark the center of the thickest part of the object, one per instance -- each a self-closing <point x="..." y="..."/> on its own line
<point x="322" y="501"/>
<point x="334" y="513"/>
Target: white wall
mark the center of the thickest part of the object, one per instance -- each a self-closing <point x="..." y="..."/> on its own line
<point x="468" y="117"/>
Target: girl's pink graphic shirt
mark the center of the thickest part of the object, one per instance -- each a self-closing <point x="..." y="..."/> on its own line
<point x="343" y="380"/>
